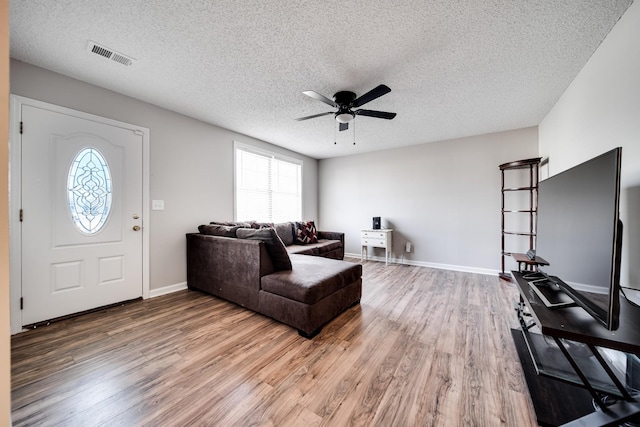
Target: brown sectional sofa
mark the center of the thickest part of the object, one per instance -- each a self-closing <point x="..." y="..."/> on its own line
<point x="318" y="287"/>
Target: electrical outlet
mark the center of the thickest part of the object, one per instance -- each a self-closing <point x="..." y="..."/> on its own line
<point x="408" y="247"/>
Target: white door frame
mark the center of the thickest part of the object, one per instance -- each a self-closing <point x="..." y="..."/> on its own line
<point x="15" y="202"/>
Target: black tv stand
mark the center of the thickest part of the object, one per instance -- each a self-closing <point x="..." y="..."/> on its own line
<point x="568" y="353"/>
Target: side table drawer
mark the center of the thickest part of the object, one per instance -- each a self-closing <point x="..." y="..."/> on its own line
<point x="372" y="234"/>
<point x="378" y="243"/>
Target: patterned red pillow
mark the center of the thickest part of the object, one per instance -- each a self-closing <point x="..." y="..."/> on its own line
<point x="305" y="233"/>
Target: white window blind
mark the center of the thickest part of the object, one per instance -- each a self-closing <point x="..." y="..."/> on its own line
<point x="268" y="187"/>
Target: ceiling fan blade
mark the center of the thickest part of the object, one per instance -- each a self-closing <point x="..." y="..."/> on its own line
<point x="314" y="116"/>
<point x="377" y="114"/>
<point x="371" y="95"/>
<point x="322" y="98"/>
<point x="343" y="126"/>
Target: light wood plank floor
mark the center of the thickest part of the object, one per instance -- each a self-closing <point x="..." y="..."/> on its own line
<point x="424" y="348"/>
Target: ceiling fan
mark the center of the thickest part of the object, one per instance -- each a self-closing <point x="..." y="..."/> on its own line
<point x="346" y="101"/>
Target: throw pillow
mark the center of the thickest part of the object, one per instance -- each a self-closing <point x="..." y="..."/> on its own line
<point x="275" y="247"/>
<point x="305" y="233"/>
<point x="221" y="223"/>
<point x="259" y="225"/>
<point x="232" y="223"/>
<point x="285" y="231"/>
<point x="219" y="230"/>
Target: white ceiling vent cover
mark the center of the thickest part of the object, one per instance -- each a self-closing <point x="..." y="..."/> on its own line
<point x="110" y="54"/>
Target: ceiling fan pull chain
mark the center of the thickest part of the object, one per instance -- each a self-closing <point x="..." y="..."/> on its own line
<point x="335" y="137"/>
<point x="354" y="132"/>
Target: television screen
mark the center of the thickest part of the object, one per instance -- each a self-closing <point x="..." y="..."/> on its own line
<point x="578" y="233"/>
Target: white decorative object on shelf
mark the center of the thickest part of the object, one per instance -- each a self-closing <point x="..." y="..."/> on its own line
<point x="378" y="239"/>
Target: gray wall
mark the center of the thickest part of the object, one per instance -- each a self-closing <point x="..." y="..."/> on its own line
<point x="191" y="163"/>
<point x="444" y="197"/>
<point x="599" y="111"/>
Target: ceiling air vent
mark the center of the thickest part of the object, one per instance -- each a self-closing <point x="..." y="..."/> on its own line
<point x="110" y="54"/>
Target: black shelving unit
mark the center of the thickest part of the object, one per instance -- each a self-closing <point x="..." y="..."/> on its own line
<point x="530" y="209"/>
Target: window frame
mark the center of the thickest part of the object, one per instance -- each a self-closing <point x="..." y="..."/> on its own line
<point x="267" y="153"/>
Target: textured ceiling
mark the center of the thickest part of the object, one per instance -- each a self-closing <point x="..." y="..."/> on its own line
<point x="456" y="68"/>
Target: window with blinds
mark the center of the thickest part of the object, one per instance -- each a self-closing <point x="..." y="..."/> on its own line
<point x="268" y="186"/>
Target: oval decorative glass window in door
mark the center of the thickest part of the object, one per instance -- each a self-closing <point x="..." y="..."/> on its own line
<point x="89" y="190"/>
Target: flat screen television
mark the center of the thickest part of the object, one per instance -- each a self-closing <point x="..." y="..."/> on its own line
<point x="579" y="234"/>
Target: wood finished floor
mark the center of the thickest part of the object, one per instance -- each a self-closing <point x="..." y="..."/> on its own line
<point x="424" y="348"/>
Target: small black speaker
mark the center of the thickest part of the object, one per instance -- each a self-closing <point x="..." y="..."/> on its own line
<point x="376" y="223"/>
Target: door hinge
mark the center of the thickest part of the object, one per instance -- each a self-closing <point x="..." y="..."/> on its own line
<point x="21" y="215"/>
<point x="21" y="128"/>
<point x="21" y="303"/>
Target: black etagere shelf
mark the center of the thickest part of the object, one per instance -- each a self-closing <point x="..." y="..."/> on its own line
<point x="531" y="208"/>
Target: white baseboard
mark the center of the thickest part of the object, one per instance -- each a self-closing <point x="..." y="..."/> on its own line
<point x="462" y="268"/>
<point x="167" y="289"/>
<point x="180" y="286"/>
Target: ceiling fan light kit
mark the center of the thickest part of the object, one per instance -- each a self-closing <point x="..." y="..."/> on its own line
<point x="344" y="117"/>
<point x="346" y="101"/>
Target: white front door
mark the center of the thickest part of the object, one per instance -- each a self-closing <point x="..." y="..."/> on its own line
<point x="81" y="214"/>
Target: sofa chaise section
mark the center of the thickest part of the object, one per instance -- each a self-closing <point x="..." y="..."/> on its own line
<point x="312" y="293"/>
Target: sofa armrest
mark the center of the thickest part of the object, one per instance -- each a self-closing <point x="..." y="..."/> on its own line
<point x="331" y="235"/>
<point x="227" y="267"/>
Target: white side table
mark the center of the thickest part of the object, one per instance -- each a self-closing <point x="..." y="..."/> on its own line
<point x="378" y="239"/>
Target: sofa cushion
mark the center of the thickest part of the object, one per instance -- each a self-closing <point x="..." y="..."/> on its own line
<point x="275" y="248"/>
<point x="302" y="249"/>
<point x="305" y="233"/>
<point x="311" y="278"/>
<point x="324" y="245"/>
<point x="219" y="230"/>
<point x="285" y="232"/>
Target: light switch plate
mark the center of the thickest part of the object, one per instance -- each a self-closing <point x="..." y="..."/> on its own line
<point x="157" y="205"/>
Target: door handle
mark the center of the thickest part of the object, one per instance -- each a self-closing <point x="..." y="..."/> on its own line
<point x="136" y="228"/>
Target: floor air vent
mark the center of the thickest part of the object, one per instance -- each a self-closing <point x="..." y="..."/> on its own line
<point x="110" y="54"/>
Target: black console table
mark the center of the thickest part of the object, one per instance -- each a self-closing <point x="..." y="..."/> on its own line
<point x="569" y="349"/>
